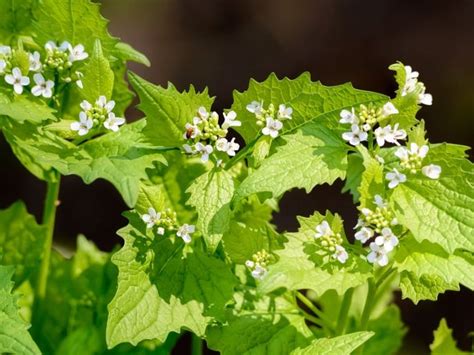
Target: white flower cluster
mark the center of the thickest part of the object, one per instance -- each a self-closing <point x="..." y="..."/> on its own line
<point x="412" y="85"/>
<point x="378" y="224"/>
<point x="166" y="221"/>
<point x="411" y="160"/>
<point x="331" y="242"/>
<point x="270" y="118"/>
<point x="205" y="131"/>
<point x="258" y="264"/>
<point x="99" y="113"/>
<point x="58" y="62"/>
<point x="365" y="119"/>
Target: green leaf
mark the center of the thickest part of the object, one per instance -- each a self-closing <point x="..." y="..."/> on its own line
<point x="168" y="110"/>
<point x="372" y="180"/>
<point x="273" y="327"/>
<point x="78" y="289"/>
<point x="310" y="101"/>
<point x="443" y="268"/>
<point x="166" y="286"/>
<point x="118" y="157"/>
<point x="299" y="266"/>
<point x="22" y="109"/>
<point x="439" y="211"/>
<point x="14" y="336"/>
<point x="312" y="156"/>
<point x="21" y="241"/>
<point x="424" y="287"/>
<point x="388" y="330"/>
<point x="15" y="18"/>
<point x="355" y="168"/>
<point x="75" y="21"/>
<point x="340" y="345"/>
<point x="443" y="342"/>
<point x="211" y="194"/>
<point x="128" y="53"/>
<point x="98" y="77"/>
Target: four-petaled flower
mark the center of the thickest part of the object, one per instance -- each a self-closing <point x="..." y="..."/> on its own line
<point x="395" y="178"/>
<point x="102" y="103"/>
<point x="284" y="113"/>
<point x="364" y="234"/>
<point x="5" y="50"/>
<point x="340" y="254"/>
<point x="388" y="240"/>
<point x="415" y="150"/>
<point x="35" y="62"/>
<point x="389" y="109"/>
<point x="204" y="150"/>
<point x="3" y="65"/>
<point x="17" y="79"/>
<point x="77" y="53"/>
<point x="230" y="120"/>
<point x="185" y="231"/>
<point x="255" y="107"/>
<point x="259" y="272"/>
<point x="43" y="87"/>
<point x="432" y="171"/>
<point x="323" y="229"/>
<point x="348" y="117"/>
<point x="377" y="255"/>
<point x="83" y="125"/>
<point x="272" y="127"/>
<point x="230" y="147"/>
<point x="355" y="136"/>
<point x="113" y="123"/>
<point x="151" y="217"/>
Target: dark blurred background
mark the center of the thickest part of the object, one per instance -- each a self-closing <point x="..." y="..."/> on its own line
<point x="223" y="43"/>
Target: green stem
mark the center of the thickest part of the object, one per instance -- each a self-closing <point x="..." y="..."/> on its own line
<point x="344" y="312"/>
<point x="313" y="319"/>
<point x="314" y="309"/>
<point x="49" y="216"/>
<point x="369" y="303"/>
<point x="196" y="345"/>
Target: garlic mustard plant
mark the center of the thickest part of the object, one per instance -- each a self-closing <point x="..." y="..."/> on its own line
<point x="201" y="253"/>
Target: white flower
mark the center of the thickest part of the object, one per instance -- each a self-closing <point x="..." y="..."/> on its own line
<point x="77" y="53"/>
<point x="411" y="79"/>
<point x="395" y="178"/>
<point x="250" y="264"/>
<point x="86" y="105"/>
<point x="284" y="113"/>
<point x="388" y="240"/>
<point x="419" y="151"/>
<point x="323" y="229"/>
<point x="379" y="202"/>
<point x="204" y="150"/>
<point x="185" y="231"/>
<point x="83" y="125"/>
<point x="348" y="117"/>
<point x="383" y="134"/>
<point x="389" y="109"/>
<point x="160" y="230"/>
<point x="79" y="81"/>
<point x="397" y="134"/>
<point x="340" y="254"/>
<point x="364" y="234"/>
<point x="402" y="153"/>
<point x="355" y="136"/>
<point x="255" y="107"/>
<point x="230" y="147"/>
<point x="202" y="112"/>
<point x="43" y="87"/>
<point x="151" y="217"/>
<point x="360" y="223"/>
<point x="365" y="211"/>
<point x="425" y="99"/>
<point x="35" y="61"/>
<point x="230" y="120"/>
<point x="5" y="50"/>
<point x="259" y="272"/>
<point x="188" y="149"/>
<point x="17" y="80"/>
<point x="366" y="127"/>
<point x="432" y="171"/>
<point x="272" y="127"/>
<point x="51" y="46"/>
<point x="191" y="132"/>
<point x="102" y="103"/>
<point x="113" y="123"/>
<point x="3" y="65"/>
<point x="377" y="255"/>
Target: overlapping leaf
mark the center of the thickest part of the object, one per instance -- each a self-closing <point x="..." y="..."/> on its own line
<point x="163" y="287"/>
<point x="340" y="345"/>
<point x="443" y="342"/>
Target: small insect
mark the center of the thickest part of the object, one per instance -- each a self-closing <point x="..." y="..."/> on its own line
<point x="189" y="132"/>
